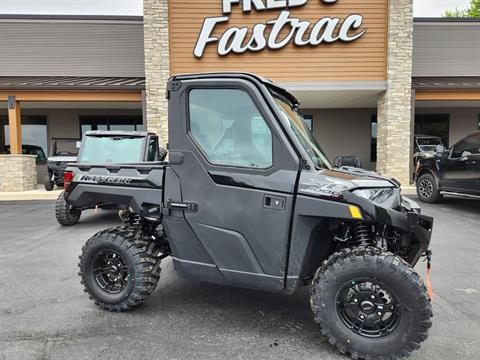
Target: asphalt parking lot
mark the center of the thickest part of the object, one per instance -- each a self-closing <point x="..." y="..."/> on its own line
<point x="44" y="313"/>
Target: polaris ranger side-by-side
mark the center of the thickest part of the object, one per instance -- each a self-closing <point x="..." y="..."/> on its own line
<point x="107" y="147"/>
<point x="248" y="198"/>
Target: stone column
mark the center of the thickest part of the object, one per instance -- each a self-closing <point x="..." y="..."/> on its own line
<point x="157" y="66"/>
<point x="18" y="173"/>
<point x="394" y="143"/>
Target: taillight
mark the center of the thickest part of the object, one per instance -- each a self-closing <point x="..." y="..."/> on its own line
<point x="67" y="179"/>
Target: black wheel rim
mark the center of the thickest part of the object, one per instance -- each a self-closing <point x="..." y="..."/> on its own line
<point x="110" y="271"/>
<point x="368" y="308"/>
<point x="425" y="187"/>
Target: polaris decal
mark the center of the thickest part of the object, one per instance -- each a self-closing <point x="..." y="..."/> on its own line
<point x="96" y="179"/>
<point x="322" y="188"/>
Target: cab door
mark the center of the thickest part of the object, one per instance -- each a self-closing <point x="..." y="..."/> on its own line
<point x="237" y="177"/>
<point x="461" y="169"/>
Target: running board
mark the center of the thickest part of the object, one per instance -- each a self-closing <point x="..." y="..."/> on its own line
<point x="460" y="194"/>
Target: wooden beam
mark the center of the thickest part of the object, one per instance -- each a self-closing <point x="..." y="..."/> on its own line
<point x="447" y="95"/>
<point x="74" y="96"/>
<point x="15" y="125"/>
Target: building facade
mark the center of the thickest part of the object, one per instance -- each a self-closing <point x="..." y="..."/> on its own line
<point x="367" y="74"/>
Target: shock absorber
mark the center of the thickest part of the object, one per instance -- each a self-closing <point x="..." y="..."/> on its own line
<point x="362" y="233"/>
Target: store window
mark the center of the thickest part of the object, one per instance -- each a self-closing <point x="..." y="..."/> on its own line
<point x="229" y="129"/>
<point x="373" y="139"/>
<point x="111" y="123"/>
<point x="34" y="135"/>
<point x="433" y="125"/>
<point x="425" y="124"/>
<point x="309" y="121"/>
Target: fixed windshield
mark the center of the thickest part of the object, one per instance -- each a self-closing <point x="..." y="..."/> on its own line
<point x="428" y="144"/>
<point x="303" y="134"/>
<point x="111" y="150"/>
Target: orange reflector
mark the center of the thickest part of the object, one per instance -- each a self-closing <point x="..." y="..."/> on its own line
<point x="428" y="283"/>
<point x="355" y="212"/>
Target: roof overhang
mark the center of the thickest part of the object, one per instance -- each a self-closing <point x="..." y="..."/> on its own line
<point x="338" y="94"/>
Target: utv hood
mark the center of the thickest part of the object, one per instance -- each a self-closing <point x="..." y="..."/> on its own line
<point x="332" y="183"/>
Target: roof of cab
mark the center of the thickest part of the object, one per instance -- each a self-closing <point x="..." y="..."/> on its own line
<point x="249" y="76"/>
<point x="118" y="133"/>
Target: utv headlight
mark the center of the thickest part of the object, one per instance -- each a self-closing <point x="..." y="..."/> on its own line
<point x="389" y="197"/>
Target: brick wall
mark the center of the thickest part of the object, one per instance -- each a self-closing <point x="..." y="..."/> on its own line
<point x="18" y="173"/>
<point x="157" y="66"/>
<point x="395" y="105"/>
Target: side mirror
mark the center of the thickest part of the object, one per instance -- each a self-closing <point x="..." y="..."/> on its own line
<point x="440" y="151"/>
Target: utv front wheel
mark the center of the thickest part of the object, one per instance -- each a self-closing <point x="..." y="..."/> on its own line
<point x="66" y="214"/>
<point x="119" y="268"/>
<point x="371" y="304"/>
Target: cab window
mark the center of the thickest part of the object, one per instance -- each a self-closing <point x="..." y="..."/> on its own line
<point x="228" y="128"/>
<point x="469" y="146"/>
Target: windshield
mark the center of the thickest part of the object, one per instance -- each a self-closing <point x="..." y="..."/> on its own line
<point x="428" y="144"/>
<point x="303" y="134"/>
<point x="111" y="149"/>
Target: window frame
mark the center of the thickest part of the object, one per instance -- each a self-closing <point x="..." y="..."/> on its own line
<point x="200" y="148"/>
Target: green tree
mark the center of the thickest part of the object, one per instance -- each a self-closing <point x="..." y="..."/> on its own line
<point x="471" y="12"/>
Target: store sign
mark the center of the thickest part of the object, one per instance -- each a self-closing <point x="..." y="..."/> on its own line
<point x="277" y="33"/>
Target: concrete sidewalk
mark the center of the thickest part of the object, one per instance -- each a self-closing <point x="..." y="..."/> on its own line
<point x="38" y="194"/>
<point x="41" y="194"/>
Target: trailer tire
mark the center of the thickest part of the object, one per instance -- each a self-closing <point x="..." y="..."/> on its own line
<point x="131" y="276"/>
<point x="370" y="304"/>
<point x="66" y="214"/>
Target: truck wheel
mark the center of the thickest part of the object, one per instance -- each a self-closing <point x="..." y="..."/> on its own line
<point x="427" y="189"/>
<point x="370" y="304"/>
<point x="120" y="268"/>
<point x="66" y="214"/>
<point x="47" y="183"/>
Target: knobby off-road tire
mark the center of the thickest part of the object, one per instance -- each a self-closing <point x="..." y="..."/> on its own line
<point x="66" y="214"/>
<point x="397" y="281"/>
<point x="131" y="263"/>
<point x="427" y="189"/>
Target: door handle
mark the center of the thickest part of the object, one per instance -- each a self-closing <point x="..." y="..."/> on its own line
<point x="274" y="202"/>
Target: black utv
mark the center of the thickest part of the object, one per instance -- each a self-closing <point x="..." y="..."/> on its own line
<point x="106" y="147"/>
<point x="248" y="198"/>
<point x="63" y="152"/>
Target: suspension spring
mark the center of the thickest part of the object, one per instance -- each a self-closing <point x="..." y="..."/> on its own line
<point x="362" y="233"/>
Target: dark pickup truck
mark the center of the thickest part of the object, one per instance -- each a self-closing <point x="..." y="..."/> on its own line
<point x="450" y="172"/>
<point x="248" y="198"/>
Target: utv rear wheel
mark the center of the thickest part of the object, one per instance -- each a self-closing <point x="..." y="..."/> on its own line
<point x="66" y="214"/>
<point x="371" y="304"/>
<point x="120" y="268"/>
<point x="47" y="183"/>
<point x="427" y="189"/>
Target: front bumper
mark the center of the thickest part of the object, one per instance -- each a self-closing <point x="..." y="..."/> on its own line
<point x="416" y="229"/>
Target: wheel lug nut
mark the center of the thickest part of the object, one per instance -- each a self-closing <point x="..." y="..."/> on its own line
<point x="355" y="301"/>
<point x="372" y="297"/>
<point x="362" y="317"/>
<point x="379" y="313"/>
